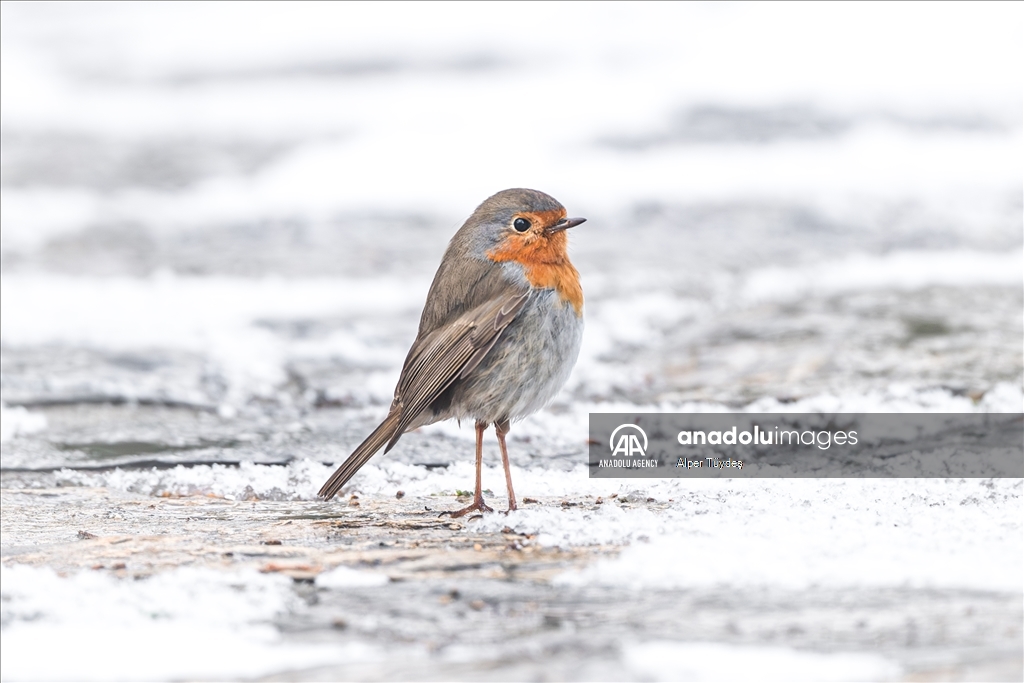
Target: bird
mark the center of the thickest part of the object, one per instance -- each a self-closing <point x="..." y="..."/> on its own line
<point x="499" y="333"/>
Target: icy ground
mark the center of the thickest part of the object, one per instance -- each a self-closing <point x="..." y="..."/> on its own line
<point x="218" y="227"/>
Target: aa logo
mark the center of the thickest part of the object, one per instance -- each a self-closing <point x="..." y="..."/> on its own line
<point x="628" y="443"/>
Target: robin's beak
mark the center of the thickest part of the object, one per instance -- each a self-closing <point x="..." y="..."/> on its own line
<point x="565" y="224"/>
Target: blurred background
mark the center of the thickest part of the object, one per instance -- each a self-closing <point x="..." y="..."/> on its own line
<point x="219" y="222"/>
<point x="225" y="204"/>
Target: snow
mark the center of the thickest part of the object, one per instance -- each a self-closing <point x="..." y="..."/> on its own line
<point x="669" y="661"/>
<point x="366" y="130"/>
<point x="423" y="138"/>
<point x="345" y="577"/>
<point x="217" y="316"/>
<point x="896" y="270"/>
<point x="922" y="533"/>
<point x="834" y="533"/>
<point x="17" y="420"/>
<point x="222" y="318"/>
<point x="185" y="623"/>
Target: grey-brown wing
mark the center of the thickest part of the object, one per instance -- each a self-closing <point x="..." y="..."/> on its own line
<point x="450" y="352"/>
<point x="436" y="360"/>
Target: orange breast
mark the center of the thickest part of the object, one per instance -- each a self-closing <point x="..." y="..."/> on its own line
<point x="546" y="264"/>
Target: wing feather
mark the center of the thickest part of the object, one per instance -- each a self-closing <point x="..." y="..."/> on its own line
<point x="506" y="314"/>
<point x="448" y="353"/>
<point x="452" y="352"/>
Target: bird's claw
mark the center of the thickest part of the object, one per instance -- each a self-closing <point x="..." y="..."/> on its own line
<point x="477" y="505"/>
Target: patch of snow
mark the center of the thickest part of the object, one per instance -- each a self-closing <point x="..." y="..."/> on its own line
<point x="903" y="270"/>
<point x="669" y="661"/>
<point x="346" y="577"/>
<point x="186" y="623"/>
<point x="922" y="533"/>
<point x="18" y="420"/>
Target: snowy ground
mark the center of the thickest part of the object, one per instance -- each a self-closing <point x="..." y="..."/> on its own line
<point x="218" y="226"/>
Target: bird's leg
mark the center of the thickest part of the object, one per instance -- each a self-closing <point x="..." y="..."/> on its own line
<point x="501" y="429"/>
<point x="478" y="497"/>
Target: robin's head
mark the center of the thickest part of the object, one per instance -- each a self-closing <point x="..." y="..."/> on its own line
<point x="525" y="231"/>
<point x="521" y="225"/>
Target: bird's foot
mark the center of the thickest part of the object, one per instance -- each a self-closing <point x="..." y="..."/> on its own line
<point x="478" y="505"/>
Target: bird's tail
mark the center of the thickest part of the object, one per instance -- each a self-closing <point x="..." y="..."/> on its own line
<point x="386" y="431"/>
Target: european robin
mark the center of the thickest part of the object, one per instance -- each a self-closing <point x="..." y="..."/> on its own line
<point x="499" y="333"/>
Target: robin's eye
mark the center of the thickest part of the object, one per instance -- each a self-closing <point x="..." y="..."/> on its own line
<point x="521" y="224"/>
